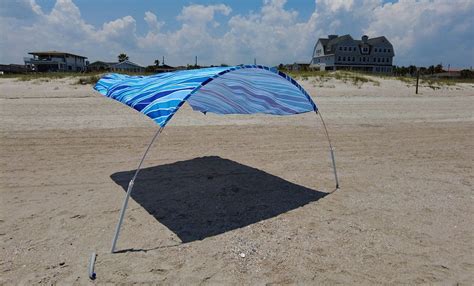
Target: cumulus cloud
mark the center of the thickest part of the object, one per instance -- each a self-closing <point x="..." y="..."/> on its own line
<point x="423" y="32"/>
<point x="201" y="14"/>
<point x="335" y="5"/>
<point x="421" y="28"/>
<point x="154" y="25"/>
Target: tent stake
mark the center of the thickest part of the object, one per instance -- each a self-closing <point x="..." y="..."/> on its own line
<point x="129" y="191"/>
<point x="331" y="149"/>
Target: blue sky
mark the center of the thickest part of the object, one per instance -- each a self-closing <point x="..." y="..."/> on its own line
<point x="233" y="32"/>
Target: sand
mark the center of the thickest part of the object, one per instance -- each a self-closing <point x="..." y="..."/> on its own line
<point x="232" y="200"/>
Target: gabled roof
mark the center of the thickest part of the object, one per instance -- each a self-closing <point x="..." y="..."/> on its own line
<point x="55" y="53"/>
<point x="329" y="44"/>
<point x="378" y="40"/>
<point x="163" y="66"/>
<point x="112" y="64"/>
<point x="125" y="62"/>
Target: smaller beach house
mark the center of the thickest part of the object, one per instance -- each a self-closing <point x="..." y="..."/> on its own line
<point x="124" y="66"/>
<point x="53" y="61"/>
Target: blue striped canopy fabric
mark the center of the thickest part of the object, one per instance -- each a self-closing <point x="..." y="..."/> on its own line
<point x="222" y="90"/>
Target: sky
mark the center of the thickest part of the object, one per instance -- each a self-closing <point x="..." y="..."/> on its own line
<point x="233" y="32"/>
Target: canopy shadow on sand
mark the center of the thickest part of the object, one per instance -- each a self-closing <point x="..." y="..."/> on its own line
<point x="207" y="196"/>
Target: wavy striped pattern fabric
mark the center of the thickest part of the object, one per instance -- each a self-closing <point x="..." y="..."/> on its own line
<point x="222" y="90"/>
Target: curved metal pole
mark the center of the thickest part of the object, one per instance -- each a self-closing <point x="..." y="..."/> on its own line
<point x="129" y="191"/>
<point x="331" y="149"/>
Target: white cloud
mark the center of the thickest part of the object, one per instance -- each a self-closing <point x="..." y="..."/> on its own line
<point x="335" y="5"/>
<point x="418" y="28"/>
<point x="154" y="25"/>
<point x="424" y="32"/>
<point x="201" y="14"/>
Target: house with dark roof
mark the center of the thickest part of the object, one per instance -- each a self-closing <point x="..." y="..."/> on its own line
<point x="125" y="66"/>
<point x="50" y="61"/>
<point x="344" y="53"/>
<point x="160" y="68"/>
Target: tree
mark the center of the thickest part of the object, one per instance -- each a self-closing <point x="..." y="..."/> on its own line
<point x="122" y="57"/>
<point x="467" y="74"/>
<point x="412" y="69"/>
<point x="431" y="69"/>
<point x="438" y="68"/>
<point x="157" y="62"/>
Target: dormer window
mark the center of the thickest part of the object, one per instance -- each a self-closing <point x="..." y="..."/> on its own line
<point x="365" y="50"/>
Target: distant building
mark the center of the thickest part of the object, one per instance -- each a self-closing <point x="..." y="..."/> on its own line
<point x="125" y="66"/>
<point x="343" y="52"/>
<point x="163" y="68"/>
<point x="297" y="67"/>
<point x="12" y="68"/>
<point x="52" y="61"/>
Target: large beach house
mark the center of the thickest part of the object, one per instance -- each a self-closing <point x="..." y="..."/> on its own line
<point x="343" y="52"/>
<point x="55" y="61"/>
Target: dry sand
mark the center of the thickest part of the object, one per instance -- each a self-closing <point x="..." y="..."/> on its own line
<point x="216" y="188"/>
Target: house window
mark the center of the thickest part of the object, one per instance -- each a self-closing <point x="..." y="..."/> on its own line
<point x="375" y="50"/>
<point x="353" y="59"/>
<point x="344" y="59"/>
<point x="384" y="50"/>
<point x="339" y="58"/>
<point x="345" y="48"/>
<point x="375" y="60"/>
<point x="365" y="50"/>
<point x="360" y="59"/>
<point x="388" y="50"/>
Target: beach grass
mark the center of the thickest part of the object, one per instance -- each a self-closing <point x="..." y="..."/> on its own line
<point x="357" y="79"/>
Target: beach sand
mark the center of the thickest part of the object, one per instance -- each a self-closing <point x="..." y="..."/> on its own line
<point x="239" y="199"/>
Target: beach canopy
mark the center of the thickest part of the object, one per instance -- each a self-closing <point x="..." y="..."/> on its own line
<point x="245" y="89"/>
<point x="223" y="90"/>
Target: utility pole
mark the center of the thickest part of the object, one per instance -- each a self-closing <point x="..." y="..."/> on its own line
<point x="196" y="61"/>
<point x="417" y="79"/>
<point x="163" y="61"/>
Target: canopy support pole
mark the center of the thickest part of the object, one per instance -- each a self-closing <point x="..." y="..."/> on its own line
<point x="331" y="149"/>
<point x="129" y="191"/>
